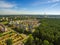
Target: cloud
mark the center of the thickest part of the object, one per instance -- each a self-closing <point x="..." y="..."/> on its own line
<point x="45" y="2"/>
<point x="54" y="5"/>
<point x="6" y="8"/>
<point x="38" y="3"/>
<point x="4" y="4"/>
<point x="52" y="9"/>
<point x="16" y="12"/>
<point x="11" y="8"/>
<point x="55" y="0"/>
<point x="53" y="12"/>
<point x="13" y="11"/>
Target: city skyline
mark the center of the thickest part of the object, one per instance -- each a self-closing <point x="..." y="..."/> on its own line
<point x="29" y="7"/>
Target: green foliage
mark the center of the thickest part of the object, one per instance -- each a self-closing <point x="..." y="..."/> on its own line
<point x="9" y="42"/>
<point x="38" y="41"/>
<point x="48" y="32"/>
<point x="19" y="30"/>
<point x="29" y="40"/>
<point x="45" y="42"/>
<point x="0" y="34"/>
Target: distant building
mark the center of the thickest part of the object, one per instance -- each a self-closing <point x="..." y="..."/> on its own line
<point x="25" y="24"/>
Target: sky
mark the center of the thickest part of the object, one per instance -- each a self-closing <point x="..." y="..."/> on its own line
<point x="29" y="7"/>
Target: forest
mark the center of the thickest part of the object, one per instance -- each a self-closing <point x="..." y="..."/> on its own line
<point x="48" y="33"/>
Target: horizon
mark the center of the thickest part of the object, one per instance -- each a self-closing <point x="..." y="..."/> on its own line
<point x="31" y="7"/>
<point x="30" y="14"/>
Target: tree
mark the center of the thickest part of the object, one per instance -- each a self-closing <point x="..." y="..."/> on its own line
<point x="29" y="40"/>
<point x="20" y="30"/>
<point x="45" y="42"/>
<point x="38" y="41"/>
<point x="9" y="42"/>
